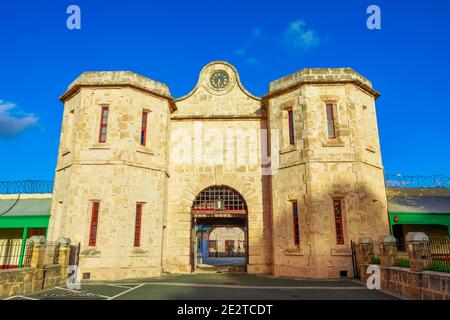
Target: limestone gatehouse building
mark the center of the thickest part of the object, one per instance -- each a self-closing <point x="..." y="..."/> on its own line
<point x="145" y="180"/>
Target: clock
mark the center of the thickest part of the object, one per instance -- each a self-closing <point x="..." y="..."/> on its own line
<point x="219" y="80"/>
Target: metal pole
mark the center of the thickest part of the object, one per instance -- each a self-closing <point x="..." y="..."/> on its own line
<point x="22" y="249"/>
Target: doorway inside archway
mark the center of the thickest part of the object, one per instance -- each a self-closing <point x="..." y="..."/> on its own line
<point x="219" y="230"/>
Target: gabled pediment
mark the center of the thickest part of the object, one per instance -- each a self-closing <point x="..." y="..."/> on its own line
<point x="218" y="92"/>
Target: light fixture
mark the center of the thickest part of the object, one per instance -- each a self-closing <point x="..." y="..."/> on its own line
<point x="218" y="204"/>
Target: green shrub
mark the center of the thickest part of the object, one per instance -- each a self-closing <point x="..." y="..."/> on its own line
<point x="376" y="260"/>
<point x="402" y="262"/>
<point x="439" y="266"/>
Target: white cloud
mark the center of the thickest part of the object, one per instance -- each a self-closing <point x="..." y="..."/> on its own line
<point x="253" y="60"/>
<point x="241" y="52"/>
<point x="257" y="33"/>
<point x="297" y="36"/>
<point x="14" y="121"/>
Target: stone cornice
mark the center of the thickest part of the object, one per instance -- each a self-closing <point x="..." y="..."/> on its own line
<point x="219" y="117"/>
<point x="319" y="76"/>
<point x="119" y="79"/>
<point x="309" y="161"/>
<point x="112" y="163"/>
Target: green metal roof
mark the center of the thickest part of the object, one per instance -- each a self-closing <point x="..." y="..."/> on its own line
<point x="26" y="207"/>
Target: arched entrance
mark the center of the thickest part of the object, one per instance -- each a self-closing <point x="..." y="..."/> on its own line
<point x="219" y="229"/>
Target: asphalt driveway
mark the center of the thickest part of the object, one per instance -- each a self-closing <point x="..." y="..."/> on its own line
<point x="215" y="287"/>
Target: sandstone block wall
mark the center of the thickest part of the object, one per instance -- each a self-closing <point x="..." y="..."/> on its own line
<point x="221" y="133"/>
<point x="118" y="173"/>
<point x="317" y="169"/>
<point x="219" y="137"/>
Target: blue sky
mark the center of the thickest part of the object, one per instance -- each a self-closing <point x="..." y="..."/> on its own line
<point x="407" y="61"/>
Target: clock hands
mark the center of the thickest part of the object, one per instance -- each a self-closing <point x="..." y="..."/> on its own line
<point x="219" y="80"/>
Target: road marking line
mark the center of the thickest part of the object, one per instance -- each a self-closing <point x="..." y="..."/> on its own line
<point x="112" y="284"/>
<point x="29" y="298"/>
<point x="254" y="287"/>
<point x="118" y="286"/>
<point x="126" y="291"/>
<point x="107" y="297"/>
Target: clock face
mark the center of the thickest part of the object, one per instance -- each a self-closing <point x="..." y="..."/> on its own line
<point x="219" y="80"/>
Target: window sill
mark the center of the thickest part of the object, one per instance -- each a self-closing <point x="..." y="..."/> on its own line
<point x="91" y="252"/>
<point x="100" y="146"/>
<point x="333" y="143"/>
<point x="146" y="150"/>
<point x="138" y="255"/>
<point x="294" y="252"/>
<point x="138" y="252"/>
<point x="90" y="257"/>
<point x="341" y="252"/>
<point x="288" y="149"/>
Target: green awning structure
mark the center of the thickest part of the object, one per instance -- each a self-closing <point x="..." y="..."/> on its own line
<point x="421" y="209"/>
<point x="31" y="213"/>
<point x="24" y="214"/>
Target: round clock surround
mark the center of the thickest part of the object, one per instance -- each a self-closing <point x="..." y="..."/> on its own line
<point x="219" y="79"/>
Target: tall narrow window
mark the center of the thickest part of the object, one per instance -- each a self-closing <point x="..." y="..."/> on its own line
<point x="330" y="122"/>
<point x="291" y="127"/>
<point x="144" y="128"/>
<point x="137" y="225"/>
<point x="337" y="203"/>
<point x="94" y="224"/>
<point x="296" y="223"/>
<point x="103" y="124"/>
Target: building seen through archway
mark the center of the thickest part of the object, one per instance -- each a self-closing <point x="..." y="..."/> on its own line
<point x="219" y="221"/>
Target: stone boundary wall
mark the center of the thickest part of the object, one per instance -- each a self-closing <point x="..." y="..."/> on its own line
<point x="38" y="276"/>
<point x="415" y="282"/>
<point x="426" y="285"/>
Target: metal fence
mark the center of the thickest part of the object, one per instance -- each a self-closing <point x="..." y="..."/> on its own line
<point x="438" y="255"/>
<point x="26" y="186"/>
<point x="436" y="252"/>
<point x="11" y="255"/>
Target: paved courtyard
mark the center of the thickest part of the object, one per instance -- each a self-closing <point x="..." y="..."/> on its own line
<point x="215" y="287"/>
